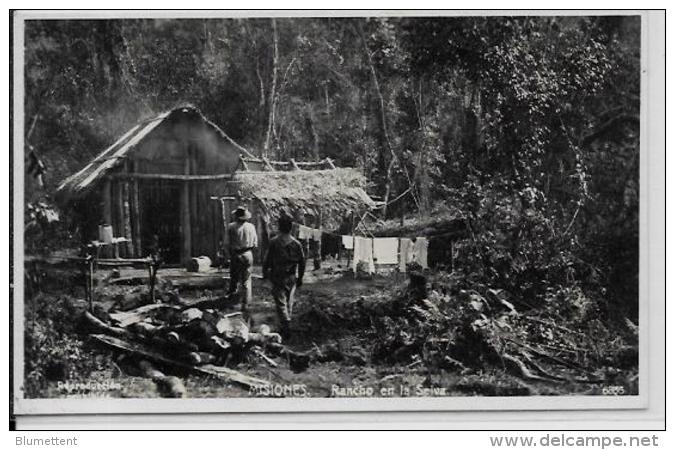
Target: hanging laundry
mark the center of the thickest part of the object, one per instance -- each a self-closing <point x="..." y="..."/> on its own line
<point x="330" y="245"/>
<point x="406" y="254"/>
<point x="385" y="250"/>
<point x="348" y="242"/>
<point x="313" y="252"/>
<point x="304" y="232"/>
<point x="420" y="247"/>
<point x="315" y="234"/>
<point x="363" y="252"/>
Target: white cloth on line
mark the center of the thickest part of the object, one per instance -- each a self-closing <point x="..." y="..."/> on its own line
<point x="406" y="255"/>
<point x="363" y="252"/>
<point x="385" y="250"/>
<point x="419" y="250"/>
<point x="348" y="242"/>
<point x="304" y="232"/>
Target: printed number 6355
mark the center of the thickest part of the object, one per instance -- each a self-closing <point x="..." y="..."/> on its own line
<point x="613" y="390"/>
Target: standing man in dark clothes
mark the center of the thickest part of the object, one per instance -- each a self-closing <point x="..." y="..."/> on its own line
<point x="284" y="258"/>
<point x="243" y="239"/>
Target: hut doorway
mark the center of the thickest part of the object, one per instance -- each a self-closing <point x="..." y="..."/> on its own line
<point x="160" y="202"/>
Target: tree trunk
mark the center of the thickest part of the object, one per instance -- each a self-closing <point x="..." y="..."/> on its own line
<point x="273" y="89"/>
<point x="421" y="174"/>
<point x="315" y="135"/>
<point x="261" y="83"/>
<point x="383" y="120"/>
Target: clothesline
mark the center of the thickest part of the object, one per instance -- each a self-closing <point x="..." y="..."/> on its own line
<point x="372" y="250"/>
<point x="389" y="251"/>
<point x="330" y="233"/>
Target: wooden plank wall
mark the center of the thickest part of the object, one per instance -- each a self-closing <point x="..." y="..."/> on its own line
<point x="203" y="218"/>
<point x="206" y="217"/>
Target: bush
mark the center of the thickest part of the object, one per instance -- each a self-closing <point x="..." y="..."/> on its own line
<point x="52" y="349"/>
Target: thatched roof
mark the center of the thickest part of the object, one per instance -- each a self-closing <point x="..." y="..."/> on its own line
<point x="114" y="155"/>
<point x="331" y="194"/>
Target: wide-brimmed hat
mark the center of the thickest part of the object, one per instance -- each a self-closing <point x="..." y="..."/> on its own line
<point x="241" y="213"/>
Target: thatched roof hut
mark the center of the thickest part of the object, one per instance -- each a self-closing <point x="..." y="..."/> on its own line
<point x="329" y="195"/>
<point x="185" y="123"/>
<point x="175" y="178"/>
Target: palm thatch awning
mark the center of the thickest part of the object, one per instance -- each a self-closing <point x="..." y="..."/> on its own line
<point x="332" y="194"/>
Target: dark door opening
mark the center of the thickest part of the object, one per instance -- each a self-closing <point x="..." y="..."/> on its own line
<point x="160" y="203"/>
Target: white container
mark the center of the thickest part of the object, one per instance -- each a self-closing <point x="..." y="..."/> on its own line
<point x="105" y="234"/>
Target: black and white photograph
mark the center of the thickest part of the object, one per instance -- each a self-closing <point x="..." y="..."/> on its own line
<point x="271" y="209"/>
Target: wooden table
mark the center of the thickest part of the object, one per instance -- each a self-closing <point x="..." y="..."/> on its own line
<point x="115" y="244"/>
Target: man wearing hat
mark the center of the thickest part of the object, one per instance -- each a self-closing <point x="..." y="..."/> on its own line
<point x="284" y="266"/>
<point x="243" y="239"/>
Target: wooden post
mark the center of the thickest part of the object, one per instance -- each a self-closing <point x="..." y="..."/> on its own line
<point x="152" y="272"/>
<point x="107" y="207"/>
<point x="151" y="280"/>
<point x="350" y="255"/>
<point x="195" y="216"/>
<point x="186" y="232"/>
<point x="128" y="245"/>
<point x="85" y="276"/>
<point x="194" y="219"/>
<point x="225" y="215"/>
<point x="224" y="221"/>
<point x="90" y="282"/>
<point x="135" y="215"/>
<point x="107" y="203"/>
<point x="118" y="229"/>
<point x="260" y="251"/>
<point x="317" y="257"/>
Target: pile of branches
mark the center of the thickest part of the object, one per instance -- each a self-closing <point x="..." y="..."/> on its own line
<point x="196" y="338"/>
<point x="471" y="331"/>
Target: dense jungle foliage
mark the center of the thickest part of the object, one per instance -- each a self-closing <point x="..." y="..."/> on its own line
<point x="528" y="127"/>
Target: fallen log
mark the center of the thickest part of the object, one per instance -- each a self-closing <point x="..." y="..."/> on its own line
<point x="168" y="386"/>
<point x="101" y="327"/>
<point x="126" y="318"/>
<point x="213" y="303"/>
<point x="223" y="373"/>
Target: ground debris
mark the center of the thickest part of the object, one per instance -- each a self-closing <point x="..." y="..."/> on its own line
<point x="477" y="330"/>
<point x="204" y="339"/>
<point x="145" y="351"/>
